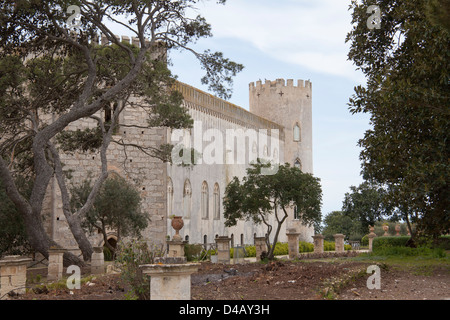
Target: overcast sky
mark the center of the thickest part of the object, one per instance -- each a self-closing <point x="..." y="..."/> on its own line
<point x="294" y="39"/>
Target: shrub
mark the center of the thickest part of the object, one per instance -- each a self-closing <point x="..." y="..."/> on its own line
<point x="305" y="247"/>
<point x="442" y="243"/>
<point x="403" y="251"/>
<point x="365" y="240"/>
<point x="385" y="242"/>
<point x="192" y="252"/>
<point x="129" y="257"/>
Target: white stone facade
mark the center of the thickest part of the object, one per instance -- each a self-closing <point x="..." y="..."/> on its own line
<point x="280" y="114"/>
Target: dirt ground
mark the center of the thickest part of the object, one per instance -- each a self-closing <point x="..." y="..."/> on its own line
<point x="338" y="279"/>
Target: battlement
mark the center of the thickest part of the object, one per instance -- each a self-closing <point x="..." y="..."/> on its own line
<point x="280" y="83"/>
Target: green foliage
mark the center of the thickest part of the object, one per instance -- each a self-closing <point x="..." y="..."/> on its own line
<point x="260" y="195"/>
<point x="402" y="251"/>
<point x="385" y="242"/>
<point x="407" y="65"/>
<point x="129" y="256"/>
<point x="338" y="222"/>
<point x="13" y="237"/>
<point x="193" y="252"/>
<point x="116" y="207"/>
<point x="366" y="204"/>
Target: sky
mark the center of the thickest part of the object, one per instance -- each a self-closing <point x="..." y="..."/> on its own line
<point x="293" y="39"/>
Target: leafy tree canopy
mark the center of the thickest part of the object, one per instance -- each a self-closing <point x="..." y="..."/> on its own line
<point x="407" y="65"/>
<point x="260" y="196"/>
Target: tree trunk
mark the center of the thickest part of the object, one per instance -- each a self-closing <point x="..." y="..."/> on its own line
<point x="41" y="242"/>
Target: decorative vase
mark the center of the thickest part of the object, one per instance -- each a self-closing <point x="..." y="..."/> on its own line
<point x="397" y="229"/>
<point x="385" y="228"/>
<point x="177" y="225"/>
<point x="371" y="229"/>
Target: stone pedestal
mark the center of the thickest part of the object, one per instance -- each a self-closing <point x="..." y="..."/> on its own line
<point x="13" y="275"/>
<point x="371" y="236"/>
<point x="318" y="243"/>
<point x="293" y="240"/>
<point x="170" y="281"/>
<point x="55" y="264"/>
<point x="260" y="246"/>
<point x="223" y="249"/>
<point x="98" y="261"/>
<point x="176" y="249"/>
<point x="339" y="243"/>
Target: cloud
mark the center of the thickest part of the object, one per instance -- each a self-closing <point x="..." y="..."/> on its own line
<point x="310" y="34"/>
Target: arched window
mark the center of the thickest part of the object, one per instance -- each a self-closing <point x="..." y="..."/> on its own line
<point x="297" y="132"/>
<point x="187" y="197"/>
<point x="296" y="213"/>
<point x="169" y="197"/>
<point x="298" y="164"/>
<point x="205" y="200"/>
<point x="216" y="202"/>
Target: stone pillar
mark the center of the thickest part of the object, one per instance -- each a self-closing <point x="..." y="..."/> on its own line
<point x="176" y="250"/>
<point x="223" y="249"/>
<point x="13" y="275"/>
<point x="318" y="243"/>
<point x="260" y="246"/>
<point x="371" y="236"/>
<point x="293" y="239"/>
<point x="55" y="264"/>
<point x="339" y="242"/>
<point x="170" y="281"/>
<point x="98" y="261"/>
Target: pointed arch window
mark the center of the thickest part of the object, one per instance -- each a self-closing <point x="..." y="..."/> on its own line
<point x="298" y="164"/>
<point x="205" y="200"/>
<point x="297" y="132"/>
<point x="216" y="202"/>
<point x="187" y="198"/>
<point x="169" y="197"/>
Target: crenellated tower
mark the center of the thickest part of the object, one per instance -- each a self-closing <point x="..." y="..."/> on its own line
<point x="289" y="105"/>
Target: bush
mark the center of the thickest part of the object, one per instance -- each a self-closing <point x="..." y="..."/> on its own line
<point x="193" y="252"/>
<point x="386" y="242"/>
<point x="407" y="251"/>
<point x="442" y="243"/>
<point x="129" y="257"/>
<point x="365" y="240"/>
<point x="305" y="247"/>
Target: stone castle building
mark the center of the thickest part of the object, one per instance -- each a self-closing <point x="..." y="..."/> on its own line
<point x="277" y="126"/>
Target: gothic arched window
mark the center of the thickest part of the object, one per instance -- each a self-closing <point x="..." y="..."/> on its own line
<point x="169" y="197"/>
<point x="216" y="202"/>
<point x="187" y="197"/>
<point x="298" y="164"/>
<point x="205" y="200"/>
<point x="297" y="132"/>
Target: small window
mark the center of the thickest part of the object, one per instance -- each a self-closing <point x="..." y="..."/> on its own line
<point x="187" y="197"/>
<point x="216" y="202"/>
<point x="205" y="200"/>
<point x="298" y="164"/>
<point x="296" y="132"/>
<point x="296" y="214"/>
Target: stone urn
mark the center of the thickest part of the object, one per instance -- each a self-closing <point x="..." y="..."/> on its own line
<point x="177" y="225"/>
<point x="385" y="228"/>
<point x="371" y="229"/>
<point x="397" y="229"/>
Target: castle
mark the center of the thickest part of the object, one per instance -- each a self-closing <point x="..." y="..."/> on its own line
<point x="278" y="126"/>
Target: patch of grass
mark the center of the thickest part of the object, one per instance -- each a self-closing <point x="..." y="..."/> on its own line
<point x="421" y="261"/>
